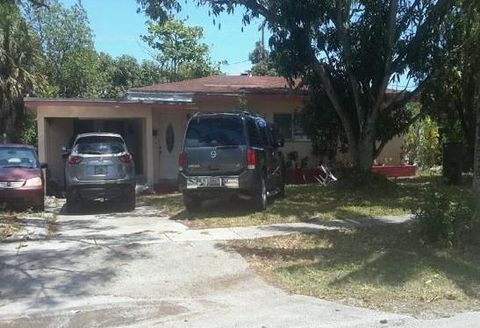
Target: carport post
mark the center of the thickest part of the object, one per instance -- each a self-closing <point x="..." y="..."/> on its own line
<point x="148" y="148"/>
<point x="42" y="138"/>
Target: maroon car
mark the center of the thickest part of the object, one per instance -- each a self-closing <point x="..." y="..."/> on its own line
<point x="21" y="177"/>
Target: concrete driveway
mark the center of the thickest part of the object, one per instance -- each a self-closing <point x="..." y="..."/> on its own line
<point x="142" y="270"/>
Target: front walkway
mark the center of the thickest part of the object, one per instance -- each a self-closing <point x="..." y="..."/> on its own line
<point x="141" y="270"/>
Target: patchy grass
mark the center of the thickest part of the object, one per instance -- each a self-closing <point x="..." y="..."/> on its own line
<point x="380" y="267"/>
<point x="15" y="220"/>
<point x="9" y="224"/>
<point x="305" y="203"/>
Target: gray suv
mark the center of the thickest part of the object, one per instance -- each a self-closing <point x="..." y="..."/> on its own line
<point x="99" y="166"/>
<point x="234" y="153"/>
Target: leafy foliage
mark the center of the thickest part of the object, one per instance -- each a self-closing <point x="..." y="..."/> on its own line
<point x="322" y="124"/>
<point x="67" y="42"/>
<point x="263" y="64"/>
<point x="18" y="77"/>
<point x="117" y="75"/>
<point x="181" y="55"/>
<point x="450" y="96"/>
<point x="422" y="143"/>
<point x="447" y="218"/>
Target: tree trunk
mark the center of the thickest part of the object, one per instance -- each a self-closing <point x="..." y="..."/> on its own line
<point x="362" y="154"/>
<point x="362" y="148"/>
<point x="476" y="159"/>
<point x="362" y="151"/>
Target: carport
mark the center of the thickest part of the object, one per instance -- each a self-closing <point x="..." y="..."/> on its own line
<point x="60" y="120"/>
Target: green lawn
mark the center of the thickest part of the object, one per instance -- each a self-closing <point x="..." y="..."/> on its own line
<point x="379" y="267"/>
<point x="306" y="203"/>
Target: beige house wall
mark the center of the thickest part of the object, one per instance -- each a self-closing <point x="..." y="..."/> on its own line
<point x="392" y="153"/>
<point x="59" y="132"/>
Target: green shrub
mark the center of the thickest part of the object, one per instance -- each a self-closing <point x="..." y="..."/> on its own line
<point x="446" y="217"/>
<point x="422" y="143"/>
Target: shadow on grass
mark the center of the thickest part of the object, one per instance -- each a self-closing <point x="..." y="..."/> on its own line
<point x="369" y="257"/>
<point x="309" y="203"/>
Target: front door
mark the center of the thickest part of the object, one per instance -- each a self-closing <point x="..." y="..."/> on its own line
<point x="171" y="134"/>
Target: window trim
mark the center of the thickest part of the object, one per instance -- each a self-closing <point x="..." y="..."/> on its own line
<point x="292" y="138"/>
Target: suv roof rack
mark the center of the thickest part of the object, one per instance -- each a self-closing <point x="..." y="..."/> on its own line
<point x="235" y="111"/>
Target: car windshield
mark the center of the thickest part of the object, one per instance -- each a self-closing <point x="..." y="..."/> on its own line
<point x="16" y="157"/>
<point x="99" y="145"/>
<point x="215" y="131"/>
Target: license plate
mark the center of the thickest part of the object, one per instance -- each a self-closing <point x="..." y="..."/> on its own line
<point x="100" y="170"/>
<point x="214" y="182"/>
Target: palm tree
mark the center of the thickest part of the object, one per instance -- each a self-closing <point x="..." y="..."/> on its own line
<point x="18" y="53"/>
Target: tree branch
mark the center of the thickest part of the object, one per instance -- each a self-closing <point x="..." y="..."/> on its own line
<point x="347" y="51"/>
<point x="319" y="69"/>
<point x="391" y="31"/>
<point x="402" y="98"/>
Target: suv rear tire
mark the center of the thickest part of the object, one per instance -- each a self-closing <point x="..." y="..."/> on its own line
<point x="130" y="201"/>
<point x="72" y="204"/>
<point x="260" y="196"/>
<point x="192" y="204"/>
<point x="281" y="193"/>
<point x="39" y="208"/>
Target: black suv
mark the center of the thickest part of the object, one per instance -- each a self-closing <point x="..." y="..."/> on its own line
<point x="230" y="153"/>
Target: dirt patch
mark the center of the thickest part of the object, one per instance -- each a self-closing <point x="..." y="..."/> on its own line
<point x="8" y="226"/>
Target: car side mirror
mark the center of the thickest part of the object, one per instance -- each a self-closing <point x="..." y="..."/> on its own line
<point x="43" y="165"/>
<point x="66" y="152"/>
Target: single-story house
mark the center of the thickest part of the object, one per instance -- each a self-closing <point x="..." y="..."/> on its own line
<point x="152" y="120"/>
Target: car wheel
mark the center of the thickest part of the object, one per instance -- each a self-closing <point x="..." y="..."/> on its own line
<point x="281" y="193"/>
<point x="72" y="204"/>
<point x="192" y="204"/>
<point x="131" y="201"/>
<point x="39" y="208"/>
<point x="260" y="196"/>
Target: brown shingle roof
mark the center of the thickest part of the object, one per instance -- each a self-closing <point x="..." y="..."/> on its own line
<point x="224" y="84"/>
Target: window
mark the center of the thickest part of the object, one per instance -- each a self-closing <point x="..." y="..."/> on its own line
<point x="18" y="157"/>
<point x="298" y="131"/>
<point x="284" y="125"/>
<point x="253" y="134"/>
<point x="215" y="131"/>
<point x="100" y="145"/>
<point x="290" y="127"/>
<point x="273" y="134"/>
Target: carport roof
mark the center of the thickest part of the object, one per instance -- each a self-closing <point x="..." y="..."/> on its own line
<point x="33" y="103"/>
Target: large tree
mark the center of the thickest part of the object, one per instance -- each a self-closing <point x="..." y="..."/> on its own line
<point x="71" y="62"/>
<point x="474" y="11"/>
<point x="351" y="50"/>
<point x="450" y="96"/>
<point x="117" y="75"/>
<point x="180" y="52"/>
<point x="19" y="49"/>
